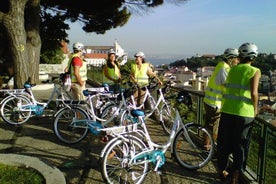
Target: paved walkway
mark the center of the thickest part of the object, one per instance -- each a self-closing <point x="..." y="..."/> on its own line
<point x="79" y="163"/>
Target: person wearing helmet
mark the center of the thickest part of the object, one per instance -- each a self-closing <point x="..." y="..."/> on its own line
<point x="213" y="91"/>
<point x="239" y="108"/>
<point x="111" y="71"/>
<point x="140" y="74"/>
<point x="78" y="69"/>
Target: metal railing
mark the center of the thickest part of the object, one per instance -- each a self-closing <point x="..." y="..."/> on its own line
<point x="261" y="162"/>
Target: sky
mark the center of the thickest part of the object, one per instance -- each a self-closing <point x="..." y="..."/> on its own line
<point x="171" y="32"/>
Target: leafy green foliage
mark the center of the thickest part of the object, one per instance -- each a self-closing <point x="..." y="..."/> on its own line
<point x="15" y="175"/>
<point x="265" y="62"/>
<point x="52" y="56"/>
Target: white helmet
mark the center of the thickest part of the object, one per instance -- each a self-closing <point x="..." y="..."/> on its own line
<point x="231" y="52"/>
<point x="248" y="50"/>
<point x="140" y="54"/>
<point x="111" y="52"/>
<point x="78" y="46"/>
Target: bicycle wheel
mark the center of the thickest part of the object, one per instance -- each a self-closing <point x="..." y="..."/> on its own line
<point x="11" y="110"/>
<point x="66" y="126"/>
<point x="167" y="117"/>
<point x="110" y="114"/>
<point x="189" y="146"/>
<point x="115" y="167"/>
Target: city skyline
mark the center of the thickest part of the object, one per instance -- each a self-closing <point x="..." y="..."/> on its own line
<point x="195" y="27"/>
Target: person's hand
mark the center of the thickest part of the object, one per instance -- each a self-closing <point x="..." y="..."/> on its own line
<point x="160" y="82"/>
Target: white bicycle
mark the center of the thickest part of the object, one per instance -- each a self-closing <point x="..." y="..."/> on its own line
<point x="72" y="122"/>
<point x="17" y="108"/>
<point x="126" y="157"/>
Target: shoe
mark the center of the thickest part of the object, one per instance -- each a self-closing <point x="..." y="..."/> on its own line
<point x="223" y="175"/>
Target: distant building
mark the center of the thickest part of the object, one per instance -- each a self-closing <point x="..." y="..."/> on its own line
<point x="97" y="55"/>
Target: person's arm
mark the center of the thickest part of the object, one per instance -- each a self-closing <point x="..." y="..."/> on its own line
<point x="221" y="76"/>
<point x="133" y="78"/>
<point x="76" y="63"/>
<point x="152" y="74"/>
<point x="77" y="75"/>
<point x="254" y="90"/>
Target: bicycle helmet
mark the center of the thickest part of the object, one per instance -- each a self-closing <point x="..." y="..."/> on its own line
<point x="140" y="54"/>
<point x="231" y="52"/>
<point x="248" y="50"/>
<point x="111" y="52"/>
<point x="78" y="46"/>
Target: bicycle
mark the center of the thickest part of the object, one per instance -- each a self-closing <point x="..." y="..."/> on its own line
<point x="72" y="122"/>
<point x="17" y="108"/>
<point x="126" y="158"/>
<point x="160" y="107"/>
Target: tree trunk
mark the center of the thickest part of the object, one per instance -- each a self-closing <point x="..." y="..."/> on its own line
<point x="14" y="24"/>
<point x="24" y="39"/>
<point x="32" y="13"/>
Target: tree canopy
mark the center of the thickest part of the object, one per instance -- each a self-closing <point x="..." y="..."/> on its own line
<point x="32" y="25"/>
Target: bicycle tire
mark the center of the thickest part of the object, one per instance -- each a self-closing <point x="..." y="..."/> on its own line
<point x="114" y="163"/>
<point x="193" y="156"/>
<point x="108" y="112"/>
<point x="167" y="117"/>
<point x="66" y="131"/>
<point x="10" y="112"/>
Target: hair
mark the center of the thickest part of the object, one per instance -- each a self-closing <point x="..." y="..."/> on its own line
<point x="246" y="59"/>
<point x="108" y="62"/>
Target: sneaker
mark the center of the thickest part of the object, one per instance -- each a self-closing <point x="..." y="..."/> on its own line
<point x="223" y="175"/>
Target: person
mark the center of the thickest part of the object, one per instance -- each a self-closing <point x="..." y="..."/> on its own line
<point x="140" y="74"/>
<point x="111" y="71"/>
<point x="213" y="91"/>
<point x="239" y="108"/>
<point x="78" y="70"/>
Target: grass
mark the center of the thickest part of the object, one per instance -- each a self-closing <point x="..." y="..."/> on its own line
<point x="19" y="175"/>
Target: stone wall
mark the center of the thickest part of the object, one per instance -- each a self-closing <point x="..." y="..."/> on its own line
<point x="53" y="68"/>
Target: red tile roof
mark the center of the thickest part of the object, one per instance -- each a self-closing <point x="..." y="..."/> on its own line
<point x="96" y="55"/>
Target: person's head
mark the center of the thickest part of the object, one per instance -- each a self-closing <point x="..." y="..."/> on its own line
<point x="111" y="58"/>
<point x="231" y="56"/>
<point x="139" y="56"/>
<point x="78" y="47"/>
<point x="248" y="52"/>
<point x="111" y="55"/>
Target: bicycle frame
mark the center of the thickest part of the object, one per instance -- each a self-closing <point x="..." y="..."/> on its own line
<point x="119" y="109"/>
<point x="36" y="106"/>
<point x="160" y="99"/>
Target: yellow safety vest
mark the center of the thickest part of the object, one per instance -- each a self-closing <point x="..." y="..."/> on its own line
<point x="213" y="92"/>
<point x="83" y="70"/>
<point x="237" y="95"/>
<point x="113" y="73"/>
<point x="141" y="75"/>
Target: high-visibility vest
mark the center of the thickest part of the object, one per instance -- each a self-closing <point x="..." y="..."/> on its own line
<point x="213" y="92"/>
<point x="113" y="73"/>
<point x="237" y="95"/>
<point x="83" y="70"/>
<point x="141" y="75"/>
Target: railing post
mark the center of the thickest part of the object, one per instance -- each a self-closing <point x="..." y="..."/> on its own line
<point x="199" y="116"/>
<point x="262" y="155"/>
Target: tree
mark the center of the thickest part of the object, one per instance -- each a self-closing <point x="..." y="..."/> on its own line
<point x="21" y="23"/>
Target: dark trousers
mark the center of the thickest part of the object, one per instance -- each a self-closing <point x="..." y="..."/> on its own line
<point x="234" y="136"/>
